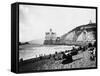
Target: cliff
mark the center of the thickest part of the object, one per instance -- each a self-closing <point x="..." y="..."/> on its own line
<point x="83" y="33"/>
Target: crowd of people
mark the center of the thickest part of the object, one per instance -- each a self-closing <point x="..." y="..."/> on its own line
<point x="66" y="55"/>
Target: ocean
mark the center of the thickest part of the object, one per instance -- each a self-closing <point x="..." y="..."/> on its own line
<point x="35" y="51"/>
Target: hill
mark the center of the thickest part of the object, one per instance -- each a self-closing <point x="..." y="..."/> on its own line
<point x="83" y="33"/>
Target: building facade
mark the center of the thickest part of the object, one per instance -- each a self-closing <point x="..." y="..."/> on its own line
<point x="51" y="38"/>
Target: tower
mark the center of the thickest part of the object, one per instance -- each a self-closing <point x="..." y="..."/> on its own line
<point x="50" y="30"/>
<point x="50" y="37"/>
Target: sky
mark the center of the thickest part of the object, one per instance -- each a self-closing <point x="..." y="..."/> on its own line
<point x="35" y="20"/>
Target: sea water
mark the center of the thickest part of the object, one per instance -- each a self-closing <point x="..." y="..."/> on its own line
<point x="36" y="51"/>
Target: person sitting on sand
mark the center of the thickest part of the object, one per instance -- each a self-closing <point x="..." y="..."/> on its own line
<point x="67" y="58"/>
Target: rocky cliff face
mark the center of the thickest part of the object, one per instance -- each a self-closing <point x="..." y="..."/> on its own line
<point x="83" y="33"/>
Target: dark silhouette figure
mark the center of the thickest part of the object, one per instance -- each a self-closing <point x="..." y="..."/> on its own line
<point x="68" y="58"/>
<point x="74" y="51"/>
<point x="92" y="54"/>
<point x="95" y="44"/>
<point x="90" y="45"/>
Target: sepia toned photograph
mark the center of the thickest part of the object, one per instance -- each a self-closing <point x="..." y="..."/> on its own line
<point x="56" y="38"/>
